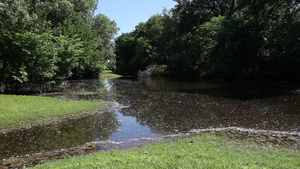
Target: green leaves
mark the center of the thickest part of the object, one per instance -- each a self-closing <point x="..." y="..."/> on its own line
<point x="21" y="75"/>
<point x="222" y="39"/>
<point x="45" y="41"/>
<point x="144" y="46"/>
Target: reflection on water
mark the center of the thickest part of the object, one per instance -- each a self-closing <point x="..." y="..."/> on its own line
<point x="166" y="105"/>
<point x="153" y="107"/>
<point x="131" y="129"/>
<point x="63" y="134"/>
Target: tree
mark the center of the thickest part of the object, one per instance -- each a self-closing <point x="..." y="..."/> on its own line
<point x="103" y="32"/>
<point x="47" y="41"/>
<point x="144" y="46"/>
<point x="125" y="51"/>
<point x="222" y="39"/>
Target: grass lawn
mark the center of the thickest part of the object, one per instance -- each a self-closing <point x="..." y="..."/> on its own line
<point x="108" y="73"/>
<point x="25" y="111"/>
<point x="204" y="151"/>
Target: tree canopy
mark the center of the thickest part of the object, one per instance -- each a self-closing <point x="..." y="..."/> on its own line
<point x="221" y="39"/>
<point x="45" y="41"/>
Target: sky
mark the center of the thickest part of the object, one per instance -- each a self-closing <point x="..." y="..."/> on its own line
<point x="129" y="13"/>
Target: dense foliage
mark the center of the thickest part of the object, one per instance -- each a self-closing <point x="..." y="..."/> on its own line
<point x="222" y="39"/>
<point x="45" y="41"/>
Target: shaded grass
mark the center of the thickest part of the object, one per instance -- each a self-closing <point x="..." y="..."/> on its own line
<point x="25" y="111"/>
<point x="205" y="151"/>
<point x="108" y="73"/>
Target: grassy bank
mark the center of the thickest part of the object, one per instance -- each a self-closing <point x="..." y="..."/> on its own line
<point x="109" y="73"/>
<point x="25" y="111"/>
<point x="206" y="151"/>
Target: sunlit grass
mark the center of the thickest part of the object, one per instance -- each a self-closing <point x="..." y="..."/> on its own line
<point x="108" y="73"/>
<point x="206" y="151"/>
<point x="24" y="111"/>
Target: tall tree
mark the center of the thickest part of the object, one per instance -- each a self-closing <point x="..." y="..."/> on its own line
<point x="45" y="41"/>
<point x="227" y="39"/>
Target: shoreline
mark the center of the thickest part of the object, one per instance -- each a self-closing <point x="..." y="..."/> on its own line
<point x="268" y="138"/>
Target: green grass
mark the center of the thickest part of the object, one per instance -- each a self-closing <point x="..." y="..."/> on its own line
<point x="108" y="73"/>
<point x="26" y="111"/>
<point x="205" y="151"/>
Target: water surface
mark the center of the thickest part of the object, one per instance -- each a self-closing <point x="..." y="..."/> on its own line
<point x="152" y="108"/>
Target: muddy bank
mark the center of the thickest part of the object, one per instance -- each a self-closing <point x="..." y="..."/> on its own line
<point x="40" y="158"/>
<point x="276" y="139"/>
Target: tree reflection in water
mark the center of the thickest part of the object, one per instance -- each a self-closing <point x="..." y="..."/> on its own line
<point x="167" y="106"/>
<point x="155" y="107"/>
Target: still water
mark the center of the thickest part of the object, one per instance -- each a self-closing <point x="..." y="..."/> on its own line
<point x="153" y="108"/>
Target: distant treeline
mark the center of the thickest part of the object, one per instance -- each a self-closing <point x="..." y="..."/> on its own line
<point x="44" y="41"/>
<point x="220" y="39"/>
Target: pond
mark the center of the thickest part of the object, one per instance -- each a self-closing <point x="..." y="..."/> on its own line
<point x="151" y="109"/>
